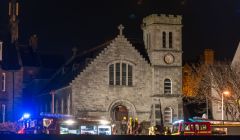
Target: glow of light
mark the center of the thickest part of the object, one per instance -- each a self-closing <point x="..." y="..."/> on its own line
<point x="104" y="122"/>
<point x="226" y="93"/>
<point x="178" y="121"/>
<point x="69" y="122"/>
<point x="26" y="116"/>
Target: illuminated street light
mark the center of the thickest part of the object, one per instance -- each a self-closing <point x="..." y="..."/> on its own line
<point x="224" y="93"/>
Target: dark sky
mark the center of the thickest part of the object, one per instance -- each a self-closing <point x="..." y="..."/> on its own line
<point x="62" y="24"/>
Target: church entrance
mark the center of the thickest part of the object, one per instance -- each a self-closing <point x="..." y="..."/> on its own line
<point x="120" y="113"/>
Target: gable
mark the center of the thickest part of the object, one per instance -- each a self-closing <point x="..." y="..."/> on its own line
<point x="120" y="49"/>
<point x="236" y="58"/>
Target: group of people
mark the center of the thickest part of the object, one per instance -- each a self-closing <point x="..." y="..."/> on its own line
<point x="159" y="130"/>
<point x="129" y="127"/>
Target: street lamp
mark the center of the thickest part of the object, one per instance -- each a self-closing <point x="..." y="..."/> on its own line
<point x="224" y="93"/>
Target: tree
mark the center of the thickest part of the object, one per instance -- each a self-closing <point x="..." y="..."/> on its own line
<point x="208" y="82"/>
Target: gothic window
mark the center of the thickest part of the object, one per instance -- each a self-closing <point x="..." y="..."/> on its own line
<point x="124" y="74"/>
<point x="167" y="86"/>
<point x="170" y="39"/>
<point x="120" y="74"/>
<point x="164" y="39"/>
<point x="168" y="111"/>
<point x="129" y="75"/>
<point x="3" y="81"/>
<point x="117" y="73"/>
<point x="111" y="74"/>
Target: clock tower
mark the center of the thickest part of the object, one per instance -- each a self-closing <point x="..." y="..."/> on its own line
<point x="162" y="36"/>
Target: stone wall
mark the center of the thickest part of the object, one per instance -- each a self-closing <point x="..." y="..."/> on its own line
<point x="91" y="92"/>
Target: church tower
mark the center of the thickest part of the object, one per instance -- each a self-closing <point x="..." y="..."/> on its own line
<point x="162" y="36"/>
<point x="13" y="12"/>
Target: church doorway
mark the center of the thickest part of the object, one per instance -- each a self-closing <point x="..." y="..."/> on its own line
<point x="120" y="113"/>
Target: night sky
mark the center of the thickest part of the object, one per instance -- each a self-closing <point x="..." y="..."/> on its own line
<point x="62" y="24"/>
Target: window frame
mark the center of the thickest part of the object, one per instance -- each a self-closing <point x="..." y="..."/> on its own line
<point x="167" y="115"/>
<point x="170" y="40"/>
<point x="164" y="39"/>
<point x="127" y="82"/>
<point x="164" y="86"/>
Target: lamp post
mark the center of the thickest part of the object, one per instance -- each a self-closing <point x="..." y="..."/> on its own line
<point x="224" y="93"/>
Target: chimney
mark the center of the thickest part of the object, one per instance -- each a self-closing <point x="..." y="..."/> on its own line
<point x="33" y="42"/>
<point x="208" y="56"/>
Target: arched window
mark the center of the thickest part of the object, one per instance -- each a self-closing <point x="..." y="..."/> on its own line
<point x="170" y="39"/>
<point x="167" y="86"/>
<point x="111" y="74"/>
<point x="164" y="39"/>
<point x="168" y="112"/>
<point x="121" y="74"/>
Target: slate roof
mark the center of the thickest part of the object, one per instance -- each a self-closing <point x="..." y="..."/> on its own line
<point x="76" y="64"/>
<point x="39" y="59"/>
<point x="66" y="73"/>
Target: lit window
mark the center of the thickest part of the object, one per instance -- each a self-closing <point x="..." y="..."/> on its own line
<point x="168" y="115"/>
<point x="120" y="74"/>
<point x="167" y="86"/>
<point x="203" y="127"/>
<point x="3" y="81"/>
<point x="164" y="39"/>
<point x="170" y="39"/>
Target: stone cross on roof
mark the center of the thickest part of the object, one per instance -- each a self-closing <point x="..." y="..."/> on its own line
<point x="120" y="27"/>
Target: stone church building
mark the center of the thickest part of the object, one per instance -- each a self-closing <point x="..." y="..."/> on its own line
<point x="121" y="78"/>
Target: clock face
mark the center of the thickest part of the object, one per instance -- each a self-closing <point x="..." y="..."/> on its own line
<point x="169" y="58"/>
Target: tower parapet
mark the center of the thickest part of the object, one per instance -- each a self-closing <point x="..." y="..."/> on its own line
<point x="162" y="19"/>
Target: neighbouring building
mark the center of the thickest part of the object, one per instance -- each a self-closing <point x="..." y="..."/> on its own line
<point x="123" y="78"/>
<point x="231" y="101"/>
<point x="23" y="69"/>
<point x="191" y="77"/>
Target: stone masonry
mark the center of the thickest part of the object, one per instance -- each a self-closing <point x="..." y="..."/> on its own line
<point x="91" y="95"/>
